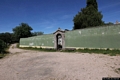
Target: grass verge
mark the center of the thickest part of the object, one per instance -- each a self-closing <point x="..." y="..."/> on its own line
<point x="40" y="49"/>
<point x="100" y="51"/>
<point x="86" y="50"/>
<point x="4" y="53"/>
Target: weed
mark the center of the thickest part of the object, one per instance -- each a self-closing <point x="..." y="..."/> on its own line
<point x="117" y="70"/>
<point x="17" y="45"/>
<point x="69" y="50"/>
<point x="40" y="49"/>
<point x="2" y="55"/>
<point x="100" y="51"/>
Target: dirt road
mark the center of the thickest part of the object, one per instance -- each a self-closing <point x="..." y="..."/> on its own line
<point x="34" y="65"/>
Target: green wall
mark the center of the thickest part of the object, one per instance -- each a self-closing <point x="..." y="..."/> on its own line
<point x="101" y="37"/>
<point x="42" y="40"/>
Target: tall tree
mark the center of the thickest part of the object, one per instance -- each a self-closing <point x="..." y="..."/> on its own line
<point x="22" y="31"/>
<point x="92" y="3"/>
<point x="89" y="16"/>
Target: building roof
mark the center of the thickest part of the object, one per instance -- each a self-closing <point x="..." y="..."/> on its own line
<point x="59" y="30"/>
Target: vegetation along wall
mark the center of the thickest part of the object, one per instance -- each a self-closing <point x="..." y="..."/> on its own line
<point x="99" y="37"/>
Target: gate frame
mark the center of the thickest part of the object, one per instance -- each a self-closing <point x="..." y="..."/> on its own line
<point x="59" y="31"/>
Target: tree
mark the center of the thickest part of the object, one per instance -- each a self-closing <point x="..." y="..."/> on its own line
<point x="109" y="23"/>
<point x="37" y="33"/>
<point x="89" y="16"/>
<point x="14" y="38"/>
<point x="6" y="37"/>
<point x="22" y="31"/>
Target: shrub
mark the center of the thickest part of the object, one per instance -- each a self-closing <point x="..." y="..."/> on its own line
<point x="2" y="46"/>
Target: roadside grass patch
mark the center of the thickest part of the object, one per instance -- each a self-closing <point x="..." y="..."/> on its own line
<point x="17" y="45"/>
<point x="4" y="53"/>
<point x="85" y="50"/>
<point x="117" y="70"/>
<point x="100" y="51"/>
<point x="2" y="56"/>
<point x="39" y="49"/>
<point x="68" y="50"/>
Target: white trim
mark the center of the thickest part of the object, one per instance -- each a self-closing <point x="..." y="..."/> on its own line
<point x="36" y="46"/>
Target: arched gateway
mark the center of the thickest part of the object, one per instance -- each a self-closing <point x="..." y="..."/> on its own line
<point x="59" y="39"/>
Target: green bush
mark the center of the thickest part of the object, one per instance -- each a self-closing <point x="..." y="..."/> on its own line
<point x="2" y="46"/>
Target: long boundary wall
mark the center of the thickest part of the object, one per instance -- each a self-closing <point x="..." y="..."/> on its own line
<point x="44" y="41"/>
<point x="99" y="37"/>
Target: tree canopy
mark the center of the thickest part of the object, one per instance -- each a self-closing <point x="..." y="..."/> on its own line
<point x="89" y="16"/>
<point x="37" y="33"/>
<point x="22" y="31"/>
<point x="6" y="37"/>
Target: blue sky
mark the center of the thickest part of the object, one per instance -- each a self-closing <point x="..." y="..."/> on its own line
<point x="48" y="15"/>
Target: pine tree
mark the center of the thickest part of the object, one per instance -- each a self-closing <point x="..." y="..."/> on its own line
<point x="89" y="16"/>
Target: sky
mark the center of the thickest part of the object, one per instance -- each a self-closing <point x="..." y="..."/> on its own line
<point x="49" y="15"/>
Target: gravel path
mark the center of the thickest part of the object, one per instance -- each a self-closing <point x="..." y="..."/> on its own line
<point x="34" y="65"/>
